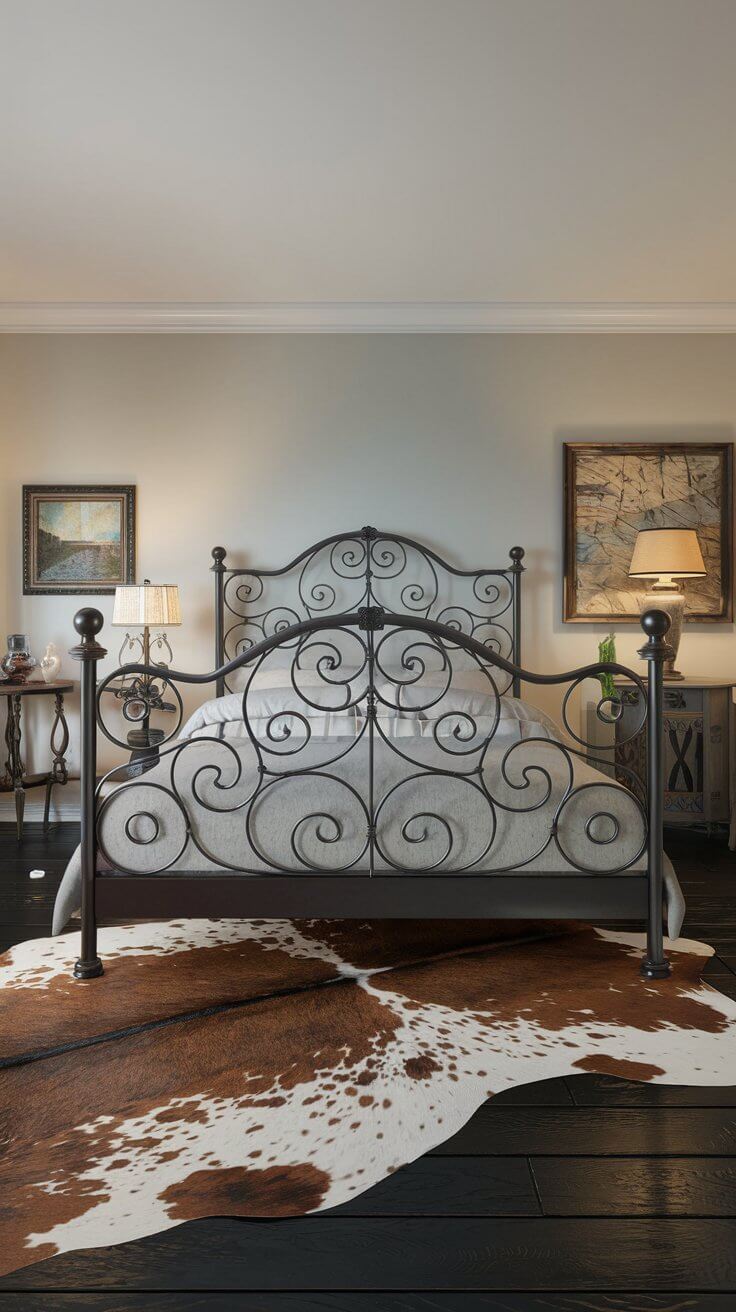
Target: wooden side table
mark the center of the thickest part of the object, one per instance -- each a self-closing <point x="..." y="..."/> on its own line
<point x="698" y="748"/>
<point x="15" y="779"/>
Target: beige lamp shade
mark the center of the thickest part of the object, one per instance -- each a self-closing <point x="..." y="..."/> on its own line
<point x="667" y="553"/>
<point x="155" y="605"/>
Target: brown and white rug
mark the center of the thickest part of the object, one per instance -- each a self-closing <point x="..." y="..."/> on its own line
<point x="274" y="1068"/>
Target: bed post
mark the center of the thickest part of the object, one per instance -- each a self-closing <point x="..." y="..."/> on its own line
<point x="656" y="650"/>
<point x="218" y="569"/>
<point x="517" y="569"/>
<point x="88" y="623"/>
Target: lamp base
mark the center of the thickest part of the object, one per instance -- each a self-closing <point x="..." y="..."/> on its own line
<point x="144" y="745"/>
<point x="673" y="602"/>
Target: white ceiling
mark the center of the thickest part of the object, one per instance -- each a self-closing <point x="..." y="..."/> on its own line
<point x="367" y="150"/>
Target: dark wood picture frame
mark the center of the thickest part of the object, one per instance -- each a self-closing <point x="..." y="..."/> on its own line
<point x="571" y="453"/>
<point x="33" y="496"/>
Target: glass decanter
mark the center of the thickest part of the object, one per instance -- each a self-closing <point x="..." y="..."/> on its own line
<point x="17" y="664"/>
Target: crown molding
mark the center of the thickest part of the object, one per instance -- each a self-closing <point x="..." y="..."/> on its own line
<point x="367" y="317"/>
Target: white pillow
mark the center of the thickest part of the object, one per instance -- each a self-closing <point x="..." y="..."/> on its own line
<point x="335" y="724"/>
<point x="272" y="731"/>
<point x="272" y="693"/>
<point x="470" y="692"/>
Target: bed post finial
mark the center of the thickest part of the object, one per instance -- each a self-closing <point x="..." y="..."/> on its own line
<point x="656" y="625"/>
<point x="88" y="623"/>
<point x="218" y="556"/>
<point x="517" y="555"/>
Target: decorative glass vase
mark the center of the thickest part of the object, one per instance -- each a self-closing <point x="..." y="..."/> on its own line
<point x="50" y="664"/>
<point x="18" y="663"/>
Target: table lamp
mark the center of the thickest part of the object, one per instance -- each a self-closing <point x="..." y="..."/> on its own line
<point x="148" y="606"/>
<point x="666" y="554"/>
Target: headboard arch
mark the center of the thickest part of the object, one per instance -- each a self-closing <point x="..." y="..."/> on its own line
<point x="362" y="568"/>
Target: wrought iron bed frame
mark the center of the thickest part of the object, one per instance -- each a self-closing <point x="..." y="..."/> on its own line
<point x="351" y="602"/>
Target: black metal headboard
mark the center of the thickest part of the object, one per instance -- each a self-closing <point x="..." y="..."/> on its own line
<point x="367" y="567"/>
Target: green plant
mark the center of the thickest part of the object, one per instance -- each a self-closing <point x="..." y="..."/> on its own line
<point x="607" y="655"/>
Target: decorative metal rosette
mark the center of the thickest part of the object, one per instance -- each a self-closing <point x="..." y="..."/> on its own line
<point x="138" y="698"/>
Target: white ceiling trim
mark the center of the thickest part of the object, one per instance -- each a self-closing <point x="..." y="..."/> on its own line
<point x="367" y="317"/>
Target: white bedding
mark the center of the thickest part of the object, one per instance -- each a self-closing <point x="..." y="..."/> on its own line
<point x="274" y="703"/>
<point x="522" y="746"/>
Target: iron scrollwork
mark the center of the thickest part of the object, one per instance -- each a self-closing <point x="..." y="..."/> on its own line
<point x="410" y="779"/>
<point x="370" y="569"/>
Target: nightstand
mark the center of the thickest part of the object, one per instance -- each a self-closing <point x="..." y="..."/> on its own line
<point x="698" y="748"/>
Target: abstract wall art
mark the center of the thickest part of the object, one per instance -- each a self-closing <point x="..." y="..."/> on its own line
<point x="612" y="491"/>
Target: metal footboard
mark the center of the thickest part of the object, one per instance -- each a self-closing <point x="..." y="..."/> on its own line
<point x="378" y="666"/>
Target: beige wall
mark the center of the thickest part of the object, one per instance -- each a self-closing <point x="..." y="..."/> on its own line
<point x="265" y="444"/>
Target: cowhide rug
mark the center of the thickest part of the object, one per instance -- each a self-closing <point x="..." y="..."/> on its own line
<point x="274" y="1068"/>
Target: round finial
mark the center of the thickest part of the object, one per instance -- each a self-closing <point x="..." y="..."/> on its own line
<point x="88" y="622"/>
<point x="655" y="623"/>
<point x="218" y="555"/>
<point x="517" y="555"/>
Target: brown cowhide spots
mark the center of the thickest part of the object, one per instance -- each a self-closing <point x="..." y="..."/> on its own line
<point x="420" y="1068"/>
<point x="277" y="1191"/>
<point x="255" y="959"/>
<point x="627" y="1070"/>
<point x="273" y="1068"/>
<point x="502" y="985"/>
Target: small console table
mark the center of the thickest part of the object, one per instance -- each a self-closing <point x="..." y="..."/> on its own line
<point x="15" y="779"/>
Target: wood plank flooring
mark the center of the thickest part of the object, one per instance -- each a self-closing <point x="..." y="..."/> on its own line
<point x="583" y="1195"/>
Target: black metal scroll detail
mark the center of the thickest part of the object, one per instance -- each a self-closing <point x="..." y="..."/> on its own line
<point x="365" y="570"/>
<point x="370" y="618"/>
<point x="138" y="696"/>
<point x="422" y="767"/>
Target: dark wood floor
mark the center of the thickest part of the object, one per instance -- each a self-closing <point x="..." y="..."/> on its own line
<point x="581" y="1195"/>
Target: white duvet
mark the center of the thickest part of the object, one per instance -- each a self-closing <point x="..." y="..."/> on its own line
<point x="218" y="771"/>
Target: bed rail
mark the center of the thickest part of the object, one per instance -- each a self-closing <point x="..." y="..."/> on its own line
<point x="381" y="665"/>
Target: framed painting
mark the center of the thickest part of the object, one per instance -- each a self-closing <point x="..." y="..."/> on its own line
<point x="612" y="491"/>
<point x="78" y="539"/>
